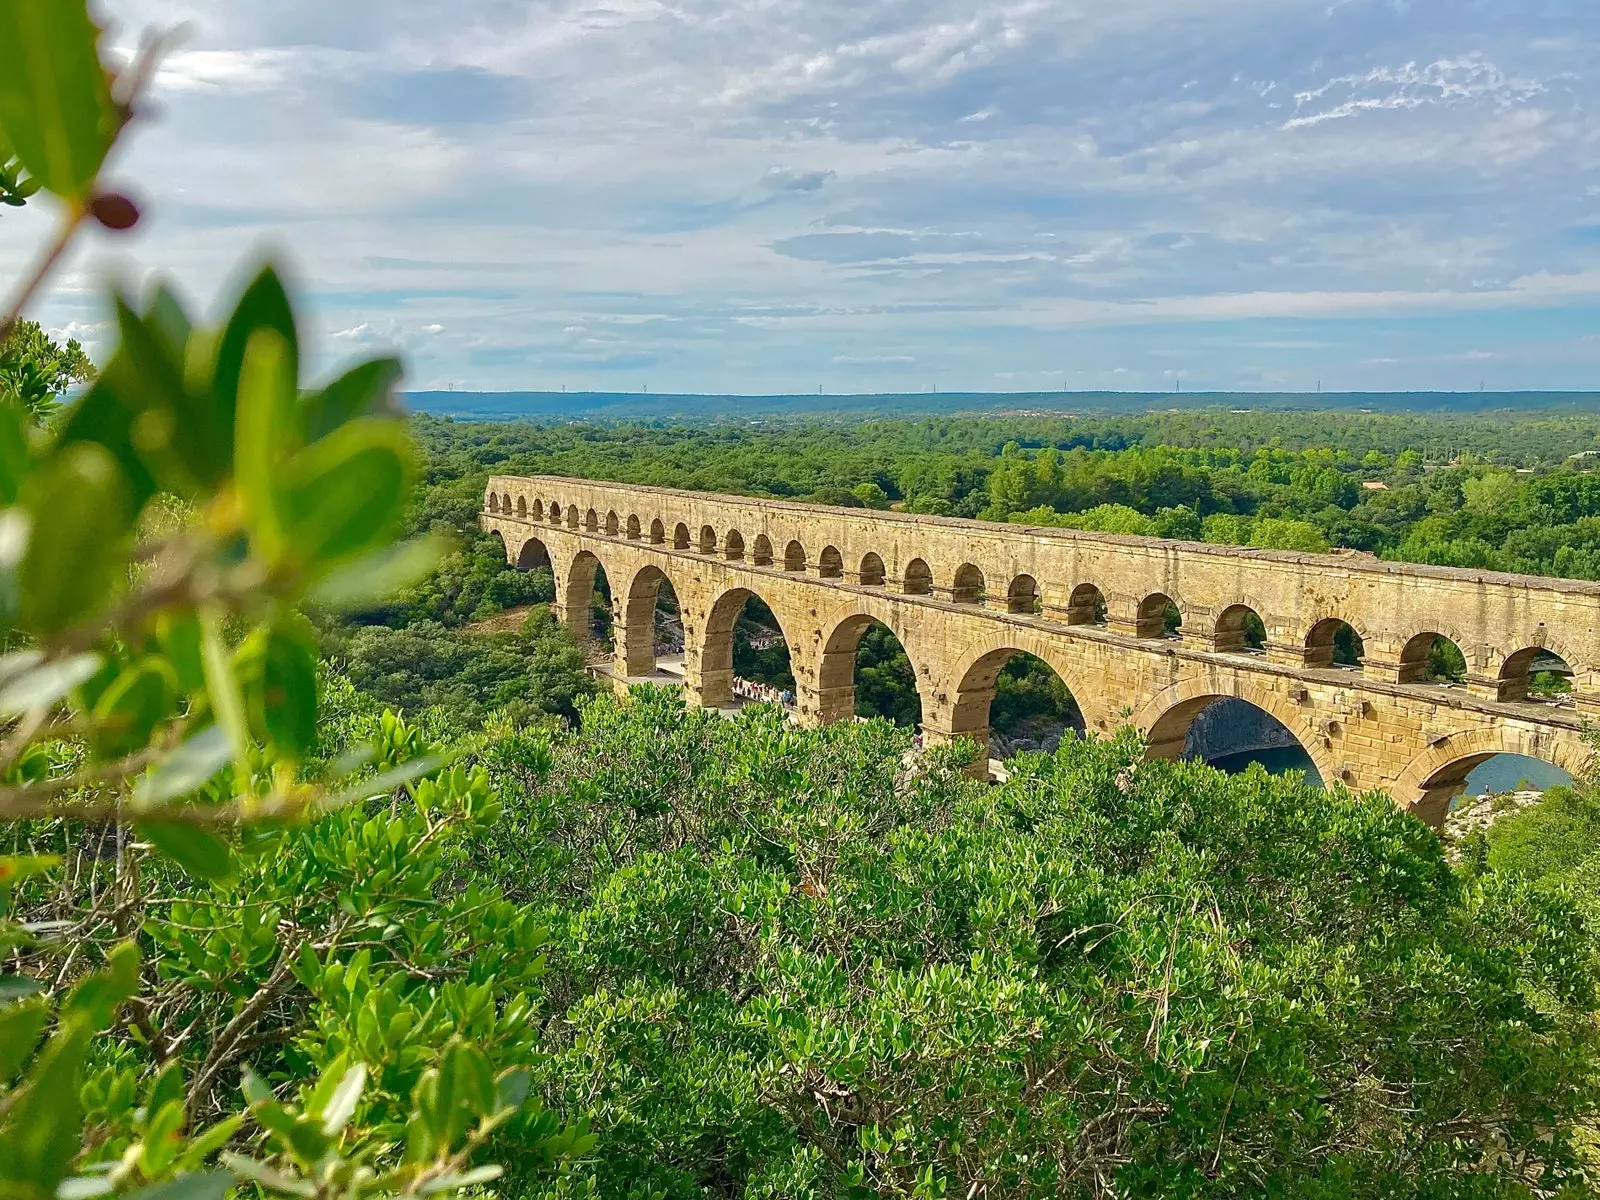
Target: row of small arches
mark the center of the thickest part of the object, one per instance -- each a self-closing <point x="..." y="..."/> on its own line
<point x="1239" y="629"/>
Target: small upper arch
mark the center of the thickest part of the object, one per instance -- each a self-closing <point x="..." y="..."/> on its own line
<point x="613" y="523"/>
<point x="591" y="521"/>
<point x="1334" y="642"/>
<point x="572" y="516"/>
<point x="1022" y="596"/>
<point x="1086" y="605"/>
<point x="505" y="502"/>
<point x="494" y="502"/>
<point x="658" y="533"/>
<point x="633" y="527"/>
<point x="1240" y="630"/>
<point x="918" y="579"/>
<point x="872" y="572"/>
<point x="537" y="511"/>
<point x="830" y="563"/>
<point x="968" y="585"/>
<point x="680" y="537"/>
<point x="522" y="506"/>
<point x="794" y="557"/>
<point x="761" y="551"/>
<point x="733" y="545"/>
<point x="1158" y="616"/>
<point x="1536" y="673"/>
<point x="708" y="540"/>
<point x="1432" y="657"/>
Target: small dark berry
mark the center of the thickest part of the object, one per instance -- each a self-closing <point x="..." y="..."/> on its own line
<point x="114" y="211"/>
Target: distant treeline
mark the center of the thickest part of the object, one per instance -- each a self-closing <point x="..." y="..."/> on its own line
<point x="645" y="406"/>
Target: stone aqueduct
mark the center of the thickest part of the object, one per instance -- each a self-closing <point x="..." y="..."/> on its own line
<point x="964" y="596"/>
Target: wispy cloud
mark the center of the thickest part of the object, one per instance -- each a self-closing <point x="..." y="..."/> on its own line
<point x="741" y="195"/>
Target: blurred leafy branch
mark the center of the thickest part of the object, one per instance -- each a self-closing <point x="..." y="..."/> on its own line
<point x="160" y="715"/>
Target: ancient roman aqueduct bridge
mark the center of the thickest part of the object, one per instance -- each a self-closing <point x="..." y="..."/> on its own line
<point x="963" y="596"/>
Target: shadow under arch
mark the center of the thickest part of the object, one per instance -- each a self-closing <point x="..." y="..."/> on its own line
<point x="716" y="646"/>
<point x="652" y="613"/>
<point x="585" y="592"/>
<point x="534" y="554"/>
<point x="504" y="550"/>
<point x="975" y="683"/>
<point x="866" y="670"/>
<point x="1167" y="719"/>
<point x="1437" y="775"/>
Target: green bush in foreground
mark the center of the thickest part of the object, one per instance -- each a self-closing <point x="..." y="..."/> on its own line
<point x="207" y="893"/>
<point x="782" y="965"/>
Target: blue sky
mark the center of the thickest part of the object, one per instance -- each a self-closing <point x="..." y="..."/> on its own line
<point x="882" y="195"/>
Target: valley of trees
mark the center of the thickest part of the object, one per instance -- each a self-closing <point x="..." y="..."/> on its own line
<point x="328" y="875"/>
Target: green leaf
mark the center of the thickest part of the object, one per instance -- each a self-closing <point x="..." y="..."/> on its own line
<point x="286" y="700"/>
<point x="268" y="1177"/>
<point x="177" y="434"/>
<point x="20" y="1027"/>
<point x="254" y="1088"/>
<point x="186" y="769"/>
<point x="466" y="1078"/>
<point x="55" y="100"/>
<point x="13" y="452"/>
<point x="132" y="706"/>
<point x="512" y="1087"/>
<point x="454" y="1182"/>
<point x="166" y="1087"/>
<point x="201" y="1185"/>
<point x="104" y="416"/>
<point x="77" y="504"/>
<point x="206" y="1143"/>
<point x="262" y="441"/>
<point x="46" y="685"/>
<point x="379" y="574"/>
<point x="41" y="1129"/>
<point x="222" y="685"/>
<point x="96" y="999"/>
<point x="264" y="305"/>
<point x="14" y="868"/>
<point x="384" y="782"/>
<point x="178" y="631"/>
<point x="341" y="1105"/>
<point x="198" y="851"/>
<point x="345" y="494"/>
<point x="17" y="987"/>
<point x="163" y="1136"/>
<point x="364" y="390"/>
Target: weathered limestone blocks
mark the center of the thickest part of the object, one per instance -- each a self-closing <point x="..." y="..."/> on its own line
<point x="963" y="596"/>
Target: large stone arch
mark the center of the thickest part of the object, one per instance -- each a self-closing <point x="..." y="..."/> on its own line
<point x="962" y="697"/>
<point x="708" y="642"/>
<point x="534" y="553"/>
<point x="635" y="603"/>
<point x="841" y="637"/>
<point x="1436" y="776"/>
<point x="575" y="589"/>
<point x="1166" y="717"/>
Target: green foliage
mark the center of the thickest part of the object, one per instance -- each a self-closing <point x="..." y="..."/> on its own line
<point x="785" y="967"/>
<point x="532" y="671"/>
<point x="36" y="371"/>
<point x="205" y="875"/>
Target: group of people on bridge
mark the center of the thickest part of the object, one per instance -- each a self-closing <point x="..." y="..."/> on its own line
<point x="762" y="693"/>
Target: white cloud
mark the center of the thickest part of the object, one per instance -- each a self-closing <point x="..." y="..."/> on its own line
<point x="732" y="193"/>
<point x="1448" y="81"/>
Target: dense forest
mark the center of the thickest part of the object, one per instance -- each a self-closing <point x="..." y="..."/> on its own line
<point x="265" y="934"/>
